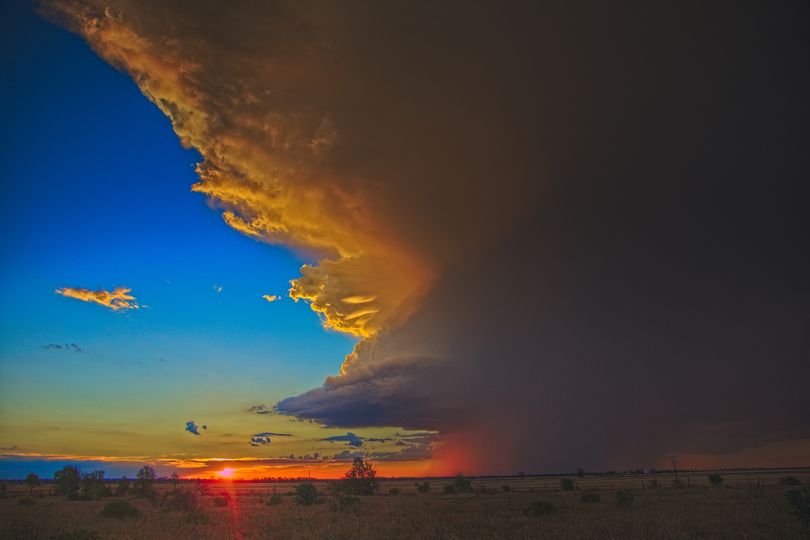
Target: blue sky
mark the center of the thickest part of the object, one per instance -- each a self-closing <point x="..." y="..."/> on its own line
<point x="96" y="195"/>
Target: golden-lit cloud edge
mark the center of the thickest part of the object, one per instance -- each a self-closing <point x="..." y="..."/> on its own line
<point x="118" y="299"/>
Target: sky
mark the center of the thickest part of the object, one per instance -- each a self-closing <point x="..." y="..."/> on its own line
<point x="276" y="236"/>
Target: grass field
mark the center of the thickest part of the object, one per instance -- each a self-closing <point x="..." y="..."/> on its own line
<point x="748" y="505"/>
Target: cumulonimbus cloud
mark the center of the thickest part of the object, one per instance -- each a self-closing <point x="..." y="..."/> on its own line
<point x="118" y="299"/>
<point x="538" y="219"/>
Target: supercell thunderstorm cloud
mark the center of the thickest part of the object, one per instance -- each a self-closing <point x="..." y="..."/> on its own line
<point x="563" y="236"/>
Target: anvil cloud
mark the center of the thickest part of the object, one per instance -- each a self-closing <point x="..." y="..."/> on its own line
<point x="567" y="235"/>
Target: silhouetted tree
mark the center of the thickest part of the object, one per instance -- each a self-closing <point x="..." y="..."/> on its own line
<point x="144" y="481"/>
<point x="93" y="486"/>
<point x="67" y="480"/>
<point x="174" y="479"/>
<point x="122" y="488"/>
<point x="32" y="481"/>
<point x="361" y="479"/>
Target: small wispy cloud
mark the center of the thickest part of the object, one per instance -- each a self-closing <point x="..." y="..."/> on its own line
<point x="191" y="427"/>
<point x="118" y="299"/>
<point x="261" y="408"/>
<point x="262" y="439"/>
<point x="63" y="347"/>
<point x="271" y="297"/>
<point x="217" y="288"/>
<point x="350" y="438"/>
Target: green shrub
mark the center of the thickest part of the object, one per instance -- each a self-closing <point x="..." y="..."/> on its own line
<point x="26" y="501"/>
<point x="789" y="481"/>
<point x="424" y="487"/>
<point x="183" y="500"/>
<point x="306" y="494"/>
<point x="566" y="484"/>
<point x="220" y="501"/>
<point x="66" y="481"/>
<point x="119" y="510"/>
<point x="340" y="496"/>
<point x="624" y="497"/>
<point x="540" y="508"/>
<point x="196" y="517"/>
<point x="799" y="500"/>
<point x="458" y="484"/>
<point x="590" y="498"/>
<point x="393" y="491"/>
<point x="275" y="499"/>
<point x="361" y="479"/>
<point x="715" y="479"/>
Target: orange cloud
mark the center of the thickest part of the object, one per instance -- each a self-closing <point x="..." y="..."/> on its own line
<point x="118" y="299"/>
<point x="270" y="297"/>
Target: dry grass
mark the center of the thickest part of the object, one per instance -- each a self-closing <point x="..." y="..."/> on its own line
<point x="696" y="511"/>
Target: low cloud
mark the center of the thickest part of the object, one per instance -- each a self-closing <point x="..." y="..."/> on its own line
<point x="118" y="299"/>
<point x="262" y="439"/>
<point x="63" y="347"/>
<point x="350" y="438"/>
<point x="191" y="427"/>
<point x="261" y="408"/>
<point x="271" y="297"/>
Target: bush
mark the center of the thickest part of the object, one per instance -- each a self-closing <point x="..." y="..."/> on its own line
<point x="361" y="479"/>
<point x="306" y="494"/>
<point x="93" y="487"/>
<point x="755" y="487"/>
<point x="486" y="490"/>
<point x="540" y="508"/>
<point x="424" y="487"/>
<point x="25" y="501"/>
<point x="220" y="501"/>
<point x="652" y="484"/>
<point x="119" y="510"/>
<point x="458" y="484"/>
<point x="340" y="496"/>
<point x="624" y="497"/>
<point x="275" y="499"/>
<point x="506" y="488"/>
<point x="566" y="484"/>
<point x="122" y="487"/>
<point x="393" y="491"/>
<point x="66" y="480"/>
<point x="77" y="534"/>
<point x="196" y="517"/>
<point x="32" y="481"/>
<point x="715" y="479"/>
<point x="678" y="483"/>
<point x="789" y="481"/>
<point x="590" y="498"/>
<point x="183" y="500"/>
<point x="144" y="482"/>
<point x="799" y="500"/>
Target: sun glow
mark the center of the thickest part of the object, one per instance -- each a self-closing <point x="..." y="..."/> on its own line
<point x="227" y="472"/>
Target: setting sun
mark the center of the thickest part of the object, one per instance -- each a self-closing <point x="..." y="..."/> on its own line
<point x="227" y="472"/>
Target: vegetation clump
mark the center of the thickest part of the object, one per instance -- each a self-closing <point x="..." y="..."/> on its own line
<point x="32" y="481"/>
<point x="26" y="501"/>
<point x="624" y="497"/>
<point x="789" y="481"/>
<point x="220" y="501"/>
<point x="424" y="487"/>
<point x="77" y="534"/>
<point x="361" y="478"/>
<point x="340" y="496"/>
<point x="394" y="491"/>
<point x="306" y="494"/>
<point x="540" y="508"/>
<point x="566" y="484"/>
<point x="458" y="484"/>
<point x="799" y="500"/>
<point x="145" y="482"/>
<point x="93" y="486"/>
<point x="506" y="488"/>
<point x="274" y="500"/>
<point x="119" y="510"/>
<point x="590" y="498"/>
<point x="66" y="480"/>
<point x="715" y="479"/>
<point x="182" y="500"/>
<point x="196" y="517"/>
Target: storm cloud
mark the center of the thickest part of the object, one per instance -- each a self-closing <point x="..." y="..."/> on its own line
<point x="566" y="234"/>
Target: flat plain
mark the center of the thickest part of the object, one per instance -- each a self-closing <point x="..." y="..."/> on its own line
<point x="747" y="505"/>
